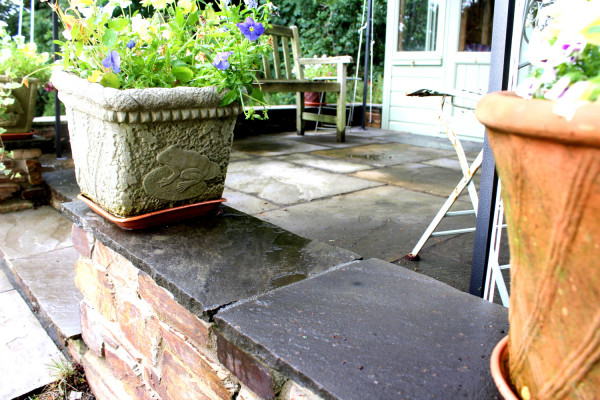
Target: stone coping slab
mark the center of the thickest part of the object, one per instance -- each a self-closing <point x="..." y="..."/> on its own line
<point x="372" y="330"/>
<point x="211" y="262"/>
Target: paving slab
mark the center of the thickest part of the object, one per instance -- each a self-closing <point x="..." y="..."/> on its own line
<point x="380" y="155"/>
<point x="390" y="332"/>
<point x="29" y="232"/>
<point x="383" y="222"/>
<point x="418" y="177"/>
<point x="327" y="164"/>
<point x="26" y="350"/>
<point x="234" y="255"/>
<point x="247" y="203"/>
<point x="285" y="183"/>
<point x="5" y="284"/>
<point x="273" y="145"/>
<point x="49" y="279"/>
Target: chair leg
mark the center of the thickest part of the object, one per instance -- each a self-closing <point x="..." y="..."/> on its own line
<point x="340" y="117"/>
<point x="299" y="112"/>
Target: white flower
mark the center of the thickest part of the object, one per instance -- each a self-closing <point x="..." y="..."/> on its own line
<point x="121" y="3"/>
<point x="141" y="26"/>
<point x="575" y="97"/>
<point x="558" y="89"/>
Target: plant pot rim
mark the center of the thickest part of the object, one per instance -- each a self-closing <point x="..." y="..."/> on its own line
<point x="506" y="112"/>
<point x="131" y="100"/>
<point x="499" y="373"/>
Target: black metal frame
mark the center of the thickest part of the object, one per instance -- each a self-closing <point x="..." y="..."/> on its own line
<point x="504" y="13"/>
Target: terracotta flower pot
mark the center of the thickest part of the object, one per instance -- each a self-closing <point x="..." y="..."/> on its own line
<point x="313" y="99"/>
<point x="138" y="151"/>
<point x="550" y="173"/>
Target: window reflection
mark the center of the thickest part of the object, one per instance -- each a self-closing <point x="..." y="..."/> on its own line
<point x="476" y="24"/>
<point x="418" y="25"/>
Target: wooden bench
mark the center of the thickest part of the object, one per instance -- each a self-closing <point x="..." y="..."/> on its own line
<point x="289" y="77"/>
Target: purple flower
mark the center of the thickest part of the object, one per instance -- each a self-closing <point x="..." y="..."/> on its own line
<point x="251" y="3"/>
<point x="220" y="61"/>
<point x="113" y="60"/>
<point x="252" y="30"/>
<point x="131" y="44"/>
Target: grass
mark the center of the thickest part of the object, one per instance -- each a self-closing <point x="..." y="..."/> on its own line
<point x="70" y="383"/>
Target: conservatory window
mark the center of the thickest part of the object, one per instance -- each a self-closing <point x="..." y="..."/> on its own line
<point x="476" y="22"/>
<point x="418" y="25"/>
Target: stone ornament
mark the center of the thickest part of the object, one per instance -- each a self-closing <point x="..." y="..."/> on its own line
<point x="182" y="175"/>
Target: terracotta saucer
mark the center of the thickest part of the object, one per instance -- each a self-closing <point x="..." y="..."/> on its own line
<point x="155" y="218"/>
<point x="499" y="370"/>
<point x="17" y="136"/>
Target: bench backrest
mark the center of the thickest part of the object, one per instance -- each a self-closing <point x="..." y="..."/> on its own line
<point x="286" y="46"/>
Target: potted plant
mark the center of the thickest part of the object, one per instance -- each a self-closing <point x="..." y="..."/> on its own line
<point x="22" y="69"/>
<point x="152" y="96"/>
<point x="318" y="72"/>
<point x="547" y="150"/>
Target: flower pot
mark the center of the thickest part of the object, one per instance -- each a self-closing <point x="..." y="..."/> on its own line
<point x="499" y="369"/>
<point x="550" y="173"/>
<point x="137" y="151"/>
<point x="313" y="99"/>
<point x="20" y="114"/>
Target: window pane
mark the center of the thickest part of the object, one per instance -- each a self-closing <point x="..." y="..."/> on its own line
<point x="418" y="25"/>
<point x="476" y="25"/>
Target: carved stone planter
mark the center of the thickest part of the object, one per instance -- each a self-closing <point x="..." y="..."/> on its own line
<point x="550" y="173"/>
<point x="21" y="112"/>
<point x="137" y="151"/>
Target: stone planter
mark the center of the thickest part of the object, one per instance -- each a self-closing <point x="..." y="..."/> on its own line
<point x="137" y="151"/>
<point x="550" y="174"/>
<point x="21" y="112"/>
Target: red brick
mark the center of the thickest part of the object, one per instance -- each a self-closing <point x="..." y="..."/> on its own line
<point x="218" y="378"/>
<point x="34" y="193"/>
<point x="140" y="330"/>
<point x="95" y="287"/>
<point x="118" y="267"/>
<point x="83" y="241"/>
<point x="26" y="154"/>
<point x="178" y="382"/>
<point x="245" y="367"/>
<point x="9" y="188"/>
<point x="172" y="312"/>
<point x="127" y="370"/>
<point x="91" y="329"/>
<point x="34" y="172"/>
<point x="103" y="384"/>
<point x="77" y="349"/>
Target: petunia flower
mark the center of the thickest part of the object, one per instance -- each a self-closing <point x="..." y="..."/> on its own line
<point x="113" y="60"/>
<point x="251" y="3"/>
<point x="131" y="44"/>
<point x="251" y="29"/>
<point x="220" y="61"/>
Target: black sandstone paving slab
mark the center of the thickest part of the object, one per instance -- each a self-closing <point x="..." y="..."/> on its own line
<point x="372" y="330"/>
<point x="217" y="260"/>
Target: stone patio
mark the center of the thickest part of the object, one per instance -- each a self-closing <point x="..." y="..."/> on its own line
<point x="373" y="195"/>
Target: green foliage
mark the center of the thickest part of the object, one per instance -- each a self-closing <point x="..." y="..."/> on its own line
<point x="331" y="27"/>
<point x="20" y="59"/>
<point x="177" y="44"/>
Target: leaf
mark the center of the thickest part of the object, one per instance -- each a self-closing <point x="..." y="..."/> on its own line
<point x="257" y="95"/>
<point x="75" y="31"/>
<point x="110" y="38"/>
<point x="229" y="98"/>
<point x="183" y="74"/>
<point x="78" y="48"/>
<point x="110" y="80"/>
<point x="179" y="20"/>
<point x="58" y="42"/>
<point x="118" y="24"/>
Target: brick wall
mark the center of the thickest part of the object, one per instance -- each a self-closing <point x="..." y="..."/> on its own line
<point x="29" y="185"/>
<point x="142" y="344"/>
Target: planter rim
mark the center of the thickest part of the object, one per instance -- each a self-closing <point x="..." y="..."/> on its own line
<point x="499" y="375"/>
<point x="124" y="100"/>
<point x="506" y="112"/>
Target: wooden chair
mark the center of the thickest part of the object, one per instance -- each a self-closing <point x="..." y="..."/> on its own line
<point x="289" y="77"/>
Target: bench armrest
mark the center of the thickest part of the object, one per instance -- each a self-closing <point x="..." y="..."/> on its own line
<point x="326" y="60"/>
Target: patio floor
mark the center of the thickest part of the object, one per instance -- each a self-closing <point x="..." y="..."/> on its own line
<point x="374" y="195"/>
